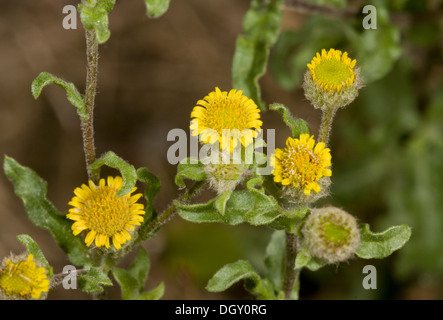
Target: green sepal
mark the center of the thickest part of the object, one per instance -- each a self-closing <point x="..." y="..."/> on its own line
<point x="93" y="281"/>
<point x="72" y="94"/>
<point x="97" y="18"/>
<point x="381" y="245"/>
<point x="261" y="26"/>
<point x="190" y="169"/>
<point x="32" y="190"/>
<point x="127" y="171"/>
<point x="33" y="248"/>
<point x="298" y="126"/>
<point x="232" y="273"/>
<point x="156" y="8"/>
<point x="132" y="281"/>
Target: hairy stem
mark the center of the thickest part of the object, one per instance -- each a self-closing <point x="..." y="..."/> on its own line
<point x="290" y="273"/>
<point x="326" y="125"/>
<point x="91" y="86"/>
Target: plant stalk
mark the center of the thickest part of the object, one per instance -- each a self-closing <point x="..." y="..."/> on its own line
<point x="291" y="274"/>
<point x="326" y="124"/>
<point x="87" y="123"/>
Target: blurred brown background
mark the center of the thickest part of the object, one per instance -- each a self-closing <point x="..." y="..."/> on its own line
<point x="151" y="73"/>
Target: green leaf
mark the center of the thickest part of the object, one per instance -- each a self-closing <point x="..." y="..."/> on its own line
<point x="33" y="248"/>
<point x="96" y="18"/>
<point x="298" y="126"/>
<point x="127" y="171"/>
<point x="128" y="283"/>
<point x="381" y="245"/>
<point x="221" y="201"/>
<point x="108" y="5"/>
<point x="32" y="190"/>
<point x="156" y="8"/>
<point x="275" y="259"/>
<point x="190" y="170"/>
<point x="262" y="26"/>
<point x="240" y="270"/>
<point x="74" y="97"/>
<point x="154" y="294"/>
<point x="153" y="186"/>
<point x="94" y="280"/>
<point x="139" y="268"/>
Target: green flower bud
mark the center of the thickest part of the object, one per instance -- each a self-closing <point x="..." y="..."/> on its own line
<point x="331" y="234"/>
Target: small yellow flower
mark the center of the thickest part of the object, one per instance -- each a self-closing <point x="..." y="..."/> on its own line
<point x="106" y="216"/>
<point x="226" y="118"/>
<point x="332" y="70"/>
<point x="301" y="164"/>
<point x="23" y="279"/>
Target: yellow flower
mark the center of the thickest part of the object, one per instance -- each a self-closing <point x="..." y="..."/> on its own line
<point x="332" y="70"/>
<point x="301" y="164"/>
<point x="226" y="118"/>
<point x="97" y="209"/>
<point x="23" y="279"/>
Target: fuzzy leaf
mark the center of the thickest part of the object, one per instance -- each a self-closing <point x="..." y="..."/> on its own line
<point x="32" y="190"/>
<point x="96" y="18"/>
<point x="381" y="245"/>
<point x="139" y="268"/>
<point x="33" y="248"/>
<point x="154" y="294"/>
<point x="153" y="186"/>
<point x="221" y="201"/>
<point x="298" y="126"/>
<point x="156" y="8"/>
<point x="262" y="26"/>
<point x="275" y="259"/>
<point x="74" y="97"/>
<point x="128" y="283"/>
<point x="187" y="169"/>
<point x="94" y="280"/>
<point x="127" y="171"/>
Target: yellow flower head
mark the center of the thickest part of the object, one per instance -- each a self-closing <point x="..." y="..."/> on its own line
<point x="332" y="70"/>
<point x="106" y="216"/>
<point x="23" y="279"/>
<point x="301" y="164"/>
<point x="226" y="118"/>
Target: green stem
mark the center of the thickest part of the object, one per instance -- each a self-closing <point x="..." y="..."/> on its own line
<point x="326" y="125"/>
<point x="291" y="274"/>
<point x="87" y="124"/>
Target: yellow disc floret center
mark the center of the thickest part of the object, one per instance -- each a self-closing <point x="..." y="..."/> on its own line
<point x="332" y="70"/>
<point x="23" y="279"/>
<point x="301" y="165"/>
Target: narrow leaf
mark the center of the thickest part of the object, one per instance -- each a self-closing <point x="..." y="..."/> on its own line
<point x="128" y="283"/>
<point x="127" y="171"/>
<point x="231" y="274"/>
<point x="74" y="97"/>
<point x="156" y="8"/>
<point x="298" y="126"/>
<point x="155" y="294"/>
<point x="381" y="245"/>
<point x="189" y="170"/>
<point x="33" y="248"/>
<point x="139" y="268"/>
<point x="275" y="259"/>
<point x="32" y="190"/>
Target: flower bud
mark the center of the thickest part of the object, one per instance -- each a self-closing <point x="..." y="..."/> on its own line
<point x="331" y="234"/>
<point x="332" y="80"/>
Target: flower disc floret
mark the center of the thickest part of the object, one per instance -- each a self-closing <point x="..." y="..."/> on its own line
<point x="302" y="163"/>
<point x="226" y="118"/>
<point x="23" y="279"/>
<point x="105" y="216"/>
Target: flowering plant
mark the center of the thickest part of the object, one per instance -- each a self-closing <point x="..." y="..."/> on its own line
<point x="280" y="190"/>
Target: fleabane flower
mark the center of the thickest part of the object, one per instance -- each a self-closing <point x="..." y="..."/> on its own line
<point x="23" y="278"/>
<point x="332" y="79"/>
<point x="227" y="118"/>
<point x="105" y="216"/>
<point x="331" y="234"/>
<point x="302" y="164"/>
